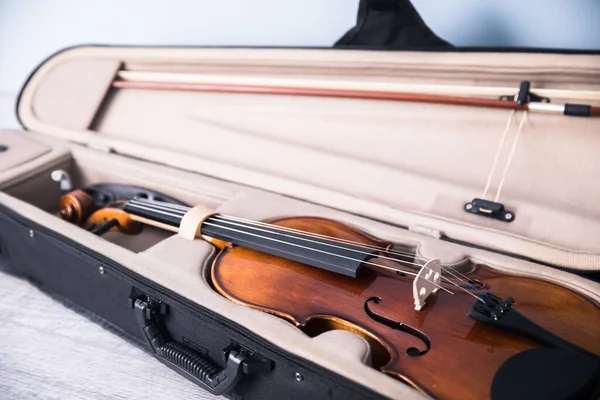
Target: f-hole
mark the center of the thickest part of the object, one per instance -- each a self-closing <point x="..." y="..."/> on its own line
<point x="397" y="325"/>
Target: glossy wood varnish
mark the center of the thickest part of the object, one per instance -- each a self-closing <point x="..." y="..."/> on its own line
<point x="127" y="222"/>
<point x="464" y="355"/>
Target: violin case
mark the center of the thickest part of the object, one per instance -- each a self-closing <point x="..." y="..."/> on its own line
<point x="400" y="171"/>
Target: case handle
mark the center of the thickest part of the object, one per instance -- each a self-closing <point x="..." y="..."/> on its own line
<point x="183" y="360"/>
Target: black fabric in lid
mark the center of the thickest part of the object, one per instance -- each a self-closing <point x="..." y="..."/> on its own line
<point x="391" y="24"/>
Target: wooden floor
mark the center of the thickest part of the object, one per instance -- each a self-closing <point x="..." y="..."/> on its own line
<point x="50" y="352"/>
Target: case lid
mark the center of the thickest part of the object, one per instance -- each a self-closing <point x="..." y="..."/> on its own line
<point x="411" y="164"/>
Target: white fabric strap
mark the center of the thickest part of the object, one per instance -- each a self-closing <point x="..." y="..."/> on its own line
<point x="192" y="221"/>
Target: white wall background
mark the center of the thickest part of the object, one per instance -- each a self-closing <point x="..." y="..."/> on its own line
<point x="32" y="30"/>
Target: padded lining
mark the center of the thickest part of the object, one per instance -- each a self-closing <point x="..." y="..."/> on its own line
<point x="86" y="81"/>
<point x="347" y="345"/>
<point x="19" y="150"/>
<point x="336" y="152"/>
<point x="23" y="179"/>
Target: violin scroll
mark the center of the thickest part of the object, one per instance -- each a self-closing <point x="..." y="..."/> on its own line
<point x="98" y="208"/>
<point x="76" y="206"/>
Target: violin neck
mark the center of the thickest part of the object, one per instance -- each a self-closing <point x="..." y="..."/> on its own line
<point x="157" y="213"/>
<point x="292" y="245"/>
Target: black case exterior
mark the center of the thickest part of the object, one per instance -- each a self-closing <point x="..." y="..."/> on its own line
<point x="100" y="288"/>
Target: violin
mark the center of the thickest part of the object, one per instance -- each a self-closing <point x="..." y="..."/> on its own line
<point x="473" y="333"/>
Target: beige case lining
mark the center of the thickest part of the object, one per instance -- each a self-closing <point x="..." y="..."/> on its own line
<point x="386" y="160"/>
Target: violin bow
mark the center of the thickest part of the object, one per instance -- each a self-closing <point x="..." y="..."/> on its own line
<point x="522" y="99"/>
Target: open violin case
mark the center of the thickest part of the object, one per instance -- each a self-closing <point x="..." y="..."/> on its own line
<point x="404" y="172"/>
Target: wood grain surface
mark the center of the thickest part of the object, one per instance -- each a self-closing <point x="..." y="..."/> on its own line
<point x="48" y="351"/>
<point x="464" y="355"/>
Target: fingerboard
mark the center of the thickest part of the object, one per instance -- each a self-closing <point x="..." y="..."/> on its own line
<point x="303" y="247"/>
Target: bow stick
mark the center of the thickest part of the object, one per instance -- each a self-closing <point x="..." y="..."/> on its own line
<point x="524" y="99"/>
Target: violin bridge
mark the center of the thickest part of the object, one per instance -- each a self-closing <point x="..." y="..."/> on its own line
<point x="427" y="282"/>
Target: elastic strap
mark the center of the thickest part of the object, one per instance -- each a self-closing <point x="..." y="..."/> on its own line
<point x="497" y="157"/>
<point x="510" y="156"/>
<point x="192" y="221"/>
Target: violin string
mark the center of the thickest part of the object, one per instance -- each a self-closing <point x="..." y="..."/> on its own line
<point x="163" y="204"/>
<point x="144" y="207"/>
<point x="275" y="228"/>
<point x="149" y="207"/>
<point x="152" y="206"/>
<point x="455" y="274"/>
<point x="182" y="210"/>
<point x="325" y="252"/>
<point x="378" y="256"/>
<point x="358" y="251"/>
<point x="316" y="235"/>
<point x="306" y="247"/>
<point x="348" y="241"/>
<point x="308" y="240"/>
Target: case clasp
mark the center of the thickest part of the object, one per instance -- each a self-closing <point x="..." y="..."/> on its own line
<point x="490" y="209"/>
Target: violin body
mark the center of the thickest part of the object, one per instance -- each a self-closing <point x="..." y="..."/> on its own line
<point x="464" y="355"/>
